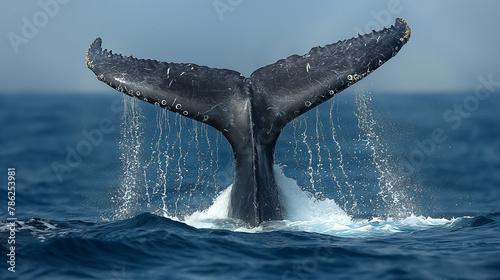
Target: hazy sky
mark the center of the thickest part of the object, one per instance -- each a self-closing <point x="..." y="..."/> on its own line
<point x="43" y="43"/>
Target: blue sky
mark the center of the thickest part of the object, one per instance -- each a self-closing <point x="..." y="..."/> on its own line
<point x="43" y="43"/>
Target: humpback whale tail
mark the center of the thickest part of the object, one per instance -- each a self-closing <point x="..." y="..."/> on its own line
<point x="250" y="111"/>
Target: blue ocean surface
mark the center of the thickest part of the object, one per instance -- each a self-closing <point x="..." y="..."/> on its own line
<point x="375" y="186"/>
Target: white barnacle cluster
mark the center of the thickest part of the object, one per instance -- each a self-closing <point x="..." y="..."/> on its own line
<point x="129" y="92"/>
<point x="163" y="104"/>
<point x="352" y="78"/>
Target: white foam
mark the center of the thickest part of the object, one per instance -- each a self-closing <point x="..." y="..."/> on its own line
<point x="306" y="213"/>
<point x="218" y="211"/>
<point x="302" y="206"/>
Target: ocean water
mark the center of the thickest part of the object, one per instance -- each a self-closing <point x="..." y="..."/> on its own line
<point x="375" y="185"/>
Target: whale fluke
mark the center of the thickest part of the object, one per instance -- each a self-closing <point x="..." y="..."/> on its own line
<point x="251" y="111"/>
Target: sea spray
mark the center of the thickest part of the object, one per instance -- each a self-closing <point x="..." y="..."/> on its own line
<point x="303" y="212"/>
<point x="130" y="145"/>
<point x="392" y="193"/>
<point x="345" y="189"/>
<point x="186" y="155"/>
<point x="187" y="174"/>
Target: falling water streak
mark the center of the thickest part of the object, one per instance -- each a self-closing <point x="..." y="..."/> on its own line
<point x="210" y="150"/>
<point x="154" y="150"/>
<point x="319" y="131"/>
<point x="296" y="127"/>
<point x="310" y="169"/>
<point x="161" y="174"/>
<point x="200" y="169"/>
<point x="392" y="197"/>
<point x="178" y="122"/>
<point x="320" y="138"/>
<point x="332" y="172"/>
<point x="330" y="158"/>
<point x="130" y="146"/>
<point x="146" y="186"/>
<point x="155" y="158"/>
<point x="203" y="152"/>
<point x="164" y="171"/>
<point x="218" y="139"/>
<point x="366" y="124"/>
<point x="341" y="164"/>
<point x="186" y="153"/>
